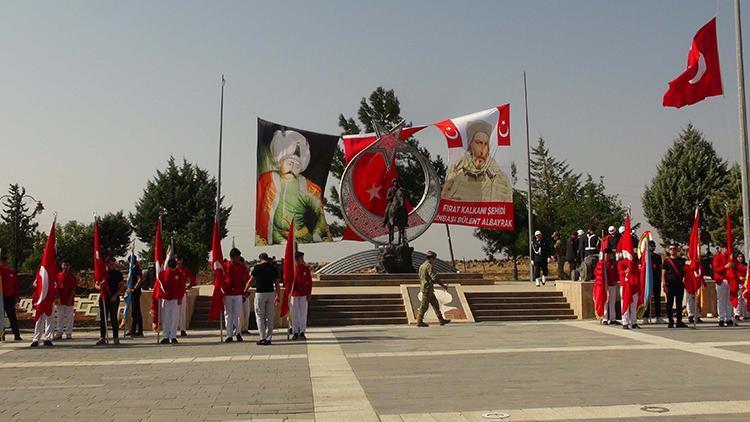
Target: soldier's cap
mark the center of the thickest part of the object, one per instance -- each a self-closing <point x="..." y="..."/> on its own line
<point x="263" y="256"/>
<point x="431" y="254"/>
<point x="299" y="254"/>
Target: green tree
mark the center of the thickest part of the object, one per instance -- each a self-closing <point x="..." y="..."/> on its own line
<point x="688" y="174"/>
<point x="728" y="196"/>
<point x="114" y="232"/>
<point x="553" y="186"/>
<point x="17" y="213"/>
<point x="187" y="196"/>
<point x="382" y="108"/>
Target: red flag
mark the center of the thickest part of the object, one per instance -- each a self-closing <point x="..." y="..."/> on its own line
<point x="702" y="78"/>
<point x="100" y="269"/>
<point x="373" y="176"/>
<point x="732" y="278"/>
<point x="158" y="268"/>
<point x="217" y="264"/>
<point x="630" y="284"/>
<point x="46" y="279"/>
<point x="693" y="271"/>
<point x="291" y="249"/>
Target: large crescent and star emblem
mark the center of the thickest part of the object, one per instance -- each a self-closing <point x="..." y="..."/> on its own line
<point x="503" y="133"/>
<point x="701" y="69"/>
<point x="450" y="133"/>
<point x="45" y="284"/>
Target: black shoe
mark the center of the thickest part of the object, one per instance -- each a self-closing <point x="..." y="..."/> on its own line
<point x="239" y="337"/>
<point x="34" y="344"/>
<point x="636" y="326"/>
<point x="615" y="323"/>
<point x="605" y="322"/>
<point x="48" y="343"/>
<point x="245" y="332"/>
<point x="101" y="342"/>
<point x="690" y="320"/>
<point x="164" y="341"/>
<point x="625" y="327"/>
<point x="295" y="336"/>
<point x="699" y="321"/>
<point x="729" y="323"/>
<point x="261" y="342"/>
<point x="228" y="340"/>
<point x="268" y="342"/>
<point x="302" y="336"/>
<point x="670" y="325"/>
<point x="422" y="324"/>
<point x="17" y="338"/>
<point x="129" y="334"/>
<point x="138" y="334"/>
<point x="183" y="333"/>
<point x="722" y="324"/>
<point x="174" y="341"/>
<point x="681" y="324"/>
<point x="445" y="321"/>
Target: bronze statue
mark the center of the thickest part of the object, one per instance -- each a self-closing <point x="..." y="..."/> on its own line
<point x="396" y="216"/>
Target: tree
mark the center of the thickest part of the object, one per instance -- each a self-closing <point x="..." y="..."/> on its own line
<point x="383" y="108"/>
<point x="729" y="195"/>
<point x="553" y="185"/>
<point x="688" y="174"/>
<point x="16" y="213"/>
<point x="187" y="197"/>
<point x="114" y="232"/>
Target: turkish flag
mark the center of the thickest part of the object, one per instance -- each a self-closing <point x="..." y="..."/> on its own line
<point x="100" y="269"/>
<point x="45" y="290"/>
<point x="702" y="78"/>
<point x="217" y="265"/>
<point x="158" y="268"/>
<point x="694" y="271"/>
<point x="372" y="177"/>
<point x="289" y="276"/>
<point x="732" y="276"/>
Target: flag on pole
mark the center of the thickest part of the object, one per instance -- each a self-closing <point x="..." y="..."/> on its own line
<point x="291" y="249"/>
<point x="131" y="274"/>
<point x="732" y="276"/>
<point x="702" y="78"/>
<point x="100" y="269"/>
<point x="693" y="270"/>
<point x="630" y="284"/>
<point x="217" y="264"/>
<point x="158" y="268"/>
<point x="46" y="278"/>
<point x="647" y="273"/>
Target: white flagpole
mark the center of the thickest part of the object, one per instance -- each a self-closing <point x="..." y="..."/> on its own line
<point x="743" y="125"/>
<point x="528" y="173"/>
<point x="218" y="188"/>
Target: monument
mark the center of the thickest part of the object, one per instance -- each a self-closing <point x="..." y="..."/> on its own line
<point x="397" y="222"/>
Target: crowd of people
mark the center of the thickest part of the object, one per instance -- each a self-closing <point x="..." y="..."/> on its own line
<point x="585" y="254"/>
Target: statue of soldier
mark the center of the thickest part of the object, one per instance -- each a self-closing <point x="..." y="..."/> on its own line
<point x="427" y="280"/>
<point x="395" y="213"/>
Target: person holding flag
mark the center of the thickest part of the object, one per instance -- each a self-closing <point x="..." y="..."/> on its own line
<point x="740" y="268"/>
<point x="135" y="282"/>
<point x="301" y="295"/>
<point x="45" y="292"/>
<point x="10" y="289"/>
<point x="233" y="287"/>
<point x="219" y="267"/>
<point x="723" y="266"/>
<point x="187" y="276"/>
<point x="67" y="283"/>
<point x="158" y="269"/>
<point x="172" y="292"/>
<point x="629" y="279"/>
<point x="265" y="277"/>
<point x="673" y="283"/>
<point x="109" y="301"/>
<point x="694" y="271"/>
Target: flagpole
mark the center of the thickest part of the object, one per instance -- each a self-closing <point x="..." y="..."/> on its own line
<point x="528" y="173"/>
<point x="743" y="125"/>
<point x="450" y="245"/>
<point x="218" y="188"/>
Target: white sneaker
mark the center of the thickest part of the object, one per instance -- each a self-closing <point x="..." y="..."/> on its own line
<point x="544" y="281"/>
<point x="537" y="283"/>
<point x="57" y="337"/>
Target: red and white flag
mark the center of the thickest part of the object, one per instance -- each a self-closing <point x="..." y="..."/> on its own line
<point x="629" y="264"/>
<point x="694" y="270"/>
<point x="732" y="276"/>
<point x="289" y="266"/>
<point x="158" y="268"/>
<point x="46" y="278"/>
<point x="702" y="78"/>
<point x="217" y="265"/>
<point x="373" y="176"/>
<point x="100" y="269"/>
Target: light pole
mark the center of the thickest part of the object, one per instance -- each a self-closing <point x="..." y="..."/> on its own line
<point x="17" y="203"/>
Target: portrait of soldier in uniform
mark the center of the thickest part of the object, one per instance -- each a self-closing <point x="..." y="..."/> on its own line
<point x="476" y="176"/>
<point x="285" y="194"/>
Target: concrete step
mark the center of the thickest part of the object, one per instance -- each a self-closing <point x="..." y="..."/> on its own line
<point x="402" y="276"/>
<point x="330" y="322"/>
<point x="359" y="308"/>
<point x="321" y="314"/>
<point x="530" y="293"/>
<point x="500" y="301"/>
<point x="534" y="305"/>
<point x="520" y="312"/>
<point x="523" y="318"/>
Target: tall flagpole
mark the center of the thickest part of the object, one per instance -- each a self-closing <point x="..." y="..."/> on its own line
<point x="743" y="126"/>
<point x="528" y="174"/>
<point x="217" y="216"/>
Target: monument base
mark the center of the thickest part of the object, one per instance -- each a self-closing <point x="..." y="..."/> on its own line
<point x="395" y="259"/>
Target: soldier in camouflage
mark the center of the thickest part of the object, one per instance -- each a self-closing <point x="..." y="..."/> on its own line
<point x="427" y="279"/>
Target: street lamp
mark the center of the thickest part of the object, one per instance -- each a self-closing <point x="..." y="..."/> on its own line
<point x="17" y="221"/>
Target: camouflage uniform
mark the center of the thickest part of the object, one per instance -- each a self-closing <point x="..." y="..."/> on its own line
<point x="427" y="279"/>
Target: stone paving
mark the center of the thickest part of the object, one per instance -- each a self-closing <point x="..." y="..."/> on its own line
<point x="531" y="371"/>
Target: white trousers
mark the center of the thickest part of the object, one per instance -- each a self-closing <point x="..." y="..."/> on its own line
<point x="610" y="314"/>
<point x="265" y="312"/>
<point x="233" y="314"/>
<point x="691" y="305"/>
<point x="169" y="317"/>
<point x="43" y="328"/>
<point x="723" y="305"/>
<point x="65" y="317"/>
<point x="246" y="311"/>
<point x="182" y="309"/>
<point x="741" y="308"/>
<point x="298" y="305"/>
<point x="630" y="315"/>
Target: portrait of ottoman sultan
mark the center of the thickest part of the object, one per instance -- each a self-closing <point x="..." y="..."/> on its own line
<point x="476" y="176"/>
<point x="285" y="194"/>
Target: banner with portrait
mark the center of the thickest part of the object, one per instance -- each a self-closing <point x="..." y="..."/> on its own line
<point x="293" y="167"/>
<point x="477" y="191"/>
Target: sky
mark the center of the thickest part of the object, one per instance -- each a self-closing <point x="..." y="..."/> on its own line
<point x="95" y="96"/>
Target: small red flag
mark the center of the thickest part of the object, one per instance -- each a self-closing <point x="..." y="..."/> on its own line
<point x="100" y="269"/>
<point x="46" y="278"/>
<point x="732" y="276"/>
<point x="158" y="268"/>
<point x="217" y="265"/>
<point x="632" y="286"/>
<point x="694" y="271"/>
<point x="702" y="78"/>
<point x="291" y="249"/>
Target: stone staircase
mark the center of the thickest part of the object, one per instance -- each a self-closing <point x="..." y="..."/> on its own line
<point x="200" y="314"/>
<point x="382" y="280"/>
<point x="356" y="309"/>
<point x="519" y="306"/>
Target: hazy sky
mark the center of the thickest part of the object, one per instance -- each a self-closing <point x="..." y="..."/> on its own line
<point x="95" y="96"/>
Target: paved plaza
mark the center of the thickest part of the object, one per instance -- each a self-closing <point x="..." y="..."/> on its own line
<point x="462" y="372"/>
